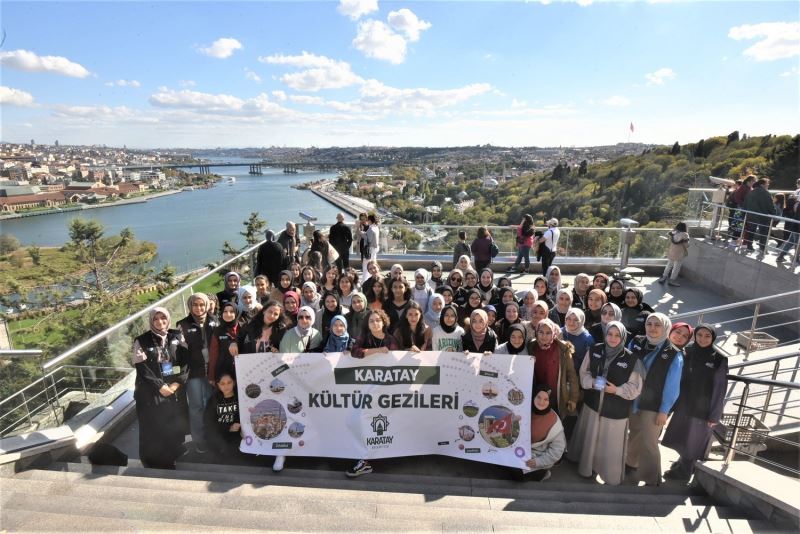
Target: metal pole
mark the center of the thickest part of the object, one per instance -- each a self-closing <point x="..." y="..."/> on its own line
<point x="769" y="391"/>
<point x="752" y="331"/>
<point x="766" y="242"/>
<point x="743" y="236"/>
<point x="739" y="414"/>
<point x="27" y="410"/>
<point x="700" y="319"/>
<point x="83" y="384"/>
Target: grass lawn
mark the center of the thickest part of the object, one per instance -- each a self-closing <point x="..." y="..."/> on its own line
<point x="53" y="267"/>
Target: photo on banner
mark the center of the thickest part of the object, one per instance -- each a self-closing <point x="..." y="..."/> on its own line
<point x="388" y="405"/>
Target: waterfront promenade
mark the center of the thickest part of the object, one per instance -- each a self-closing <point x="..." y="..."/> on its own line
<point x="347" y="203"/>
<point x="81" y="207"/>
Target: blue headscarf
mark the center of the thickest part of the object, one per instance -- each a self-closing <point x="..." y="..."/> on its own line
<point x="337" y="343"/>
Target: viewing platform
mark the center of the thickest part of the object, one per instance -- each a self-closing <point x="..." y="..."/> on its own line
<point x="47" y="484"/>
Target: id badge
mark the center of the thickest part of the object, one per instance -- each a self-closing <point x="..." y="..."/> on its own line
<point x="600" y="383"/>
<point x="167" y="369"/>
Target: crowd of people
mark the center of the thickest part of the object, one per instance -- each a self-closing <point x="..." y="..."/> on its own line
<point x="608" y="369"/>
<point x="750" y="208"/>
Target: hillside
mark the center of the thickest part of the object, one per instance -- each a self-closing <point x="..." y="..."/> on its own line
<point x="651" y="187"/>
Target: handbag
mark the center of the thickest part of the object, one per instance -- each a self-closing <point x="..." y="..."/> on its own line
<point x="494" y="250"/>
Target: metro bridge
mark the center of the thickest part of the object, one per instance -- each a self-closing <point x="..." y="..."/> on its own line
<point x="256" y="168"/>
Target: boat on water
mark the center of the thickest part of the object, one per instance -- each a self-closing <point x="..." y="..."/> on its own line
<point x="231" y="180"/>
<point x="188" y="188"/>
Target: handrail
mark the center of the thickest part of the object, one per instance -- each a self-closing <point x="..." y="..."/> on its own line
<point x="20" y="352"/>
<point x="80" y="346"/>
<point x="764" y="382"/>
<point x="734" y="305"/>
<point x="776" y="217"/>
<point x="742" y="365"/>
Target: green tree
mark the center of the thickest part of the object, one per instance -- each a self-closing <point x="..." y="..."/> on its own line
<point x="8" y="243"/>
<point x="35" y="253"/>
<point x="253" y="228"/>
<point x="676" y="149"/>
<point x="583" y="168"/>
<point x="166" y="281"/>
<point x="732" y="137"/>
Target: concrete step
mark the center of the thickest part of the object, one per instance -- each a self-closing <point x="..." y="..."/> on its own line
<point x="287" y="514"/>
<point x="345" y="489"/>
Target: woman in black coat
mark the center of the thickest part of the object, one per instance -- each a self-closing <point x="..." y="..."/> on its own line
<point x="161" y="359"/>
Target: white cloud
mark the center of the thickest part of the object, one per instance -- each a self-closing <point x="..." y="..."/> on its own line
<point x="15" y="97"/>
<point x="187" y="83"/>
<point x="406" y="22"/>
<point x="790" y="72"/>
<point x="355" y="9"/>
<point x="217" y="103"/>
<point x="250" y="75"/>
<point x="221" y="48"/>
<point x="319" y="72"/>
<point x="777" y="40"/>
<point x="660" y="76"/>
<point x="29" y="61"/>
<point x="124" y="83"/>
<point x="376" y="96"/>
<point x="306" y="99"/>
<point x="518" y="103"/>
<point x="617" y="101"/>
<point x="377" y="40"/>
<point x="279" y="95"/>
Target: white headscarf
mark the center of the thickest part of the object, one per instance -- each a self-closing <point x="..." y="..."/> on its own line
<point x="578" y="313"/>
<point x="665" y="321"/>
<point x="302" y="332"/>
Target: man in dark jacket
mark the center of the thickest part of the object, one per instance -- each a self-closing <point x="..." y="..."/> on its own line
<point x="759" y="200"/>
<point x="270" y="259"/>
<point x="341" y="238"/>
<point x="288" y="240"/>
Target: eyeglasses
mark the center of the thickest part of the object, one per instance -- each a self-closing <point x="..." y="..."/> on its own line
<point x="607" y="312"/>
<point x="306" y="317"/>
<point x="456" y="278"/>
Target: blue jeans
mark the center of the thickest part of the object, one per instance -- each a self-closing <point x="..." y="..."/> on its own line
<point x="198" y="391"/>
<point x="790" y="243"/>
<point x="523" y="253"/>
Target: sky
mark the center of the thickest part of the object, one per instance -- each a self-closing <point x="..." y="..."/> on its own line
<point x="369" y="72"/>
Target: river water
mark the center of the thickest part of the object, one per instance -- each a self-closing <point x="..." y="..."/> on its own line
<point x="189" y="227"/>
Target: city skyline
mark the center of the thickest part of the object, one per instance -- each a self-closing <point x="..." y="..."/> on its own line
<point x="363" y="72"/>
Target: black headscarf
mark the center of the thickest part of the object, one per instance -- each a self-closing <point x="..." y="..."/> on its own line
<point x="511" y="348"/>
<point x="448" y="329"/>
<point x="536" y="390"/>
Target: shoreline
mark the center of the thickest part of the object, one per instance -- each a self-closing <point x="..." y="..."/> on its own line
<point x="123" y="202"/>
<point x="347" y="203"/>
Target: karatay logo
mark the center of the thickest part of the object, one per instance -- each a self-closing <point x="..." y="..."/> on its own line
<point x="379" y="425"/>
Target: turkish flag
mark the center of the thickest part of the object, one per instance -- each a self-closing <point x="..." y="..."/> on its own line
<point x="503" y="425"/>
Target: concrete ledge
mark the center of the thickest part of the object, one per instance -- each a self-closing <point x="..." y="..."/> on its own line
<point x="752" y="488"/>
<point x="37" y="448"/>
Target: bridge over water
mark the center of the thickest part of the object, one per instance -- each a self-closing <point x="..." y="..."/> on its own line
<point x="256" y="168"/>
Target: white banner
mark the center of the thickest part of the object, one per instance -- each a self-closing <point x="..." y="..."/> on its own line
<point x="387" y="405"/>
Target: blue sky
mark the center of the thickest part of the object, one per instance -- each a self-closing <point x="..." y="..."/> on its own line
<point x="355" y="72"/>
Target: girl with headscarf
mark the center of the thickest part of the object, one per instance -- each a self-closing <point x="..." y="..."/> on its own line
<point x="231" y="290"/>
<point x="563" y="304"/>
<point x="541" y="289"/>
<point x="540" y="313"/>
<point x="611" y="378"/>
<point x="506" y="296"/>
<point x="600" y="281"/>
<point x="339" y="339"/>
<point x="447" y="335"/>
<point x="574" y="331"/>
<point x="634" y="313"/>
<point x="455" y="280"/>
<point x="473" y="302"/>
<point x="197" y="329"/>
<point x="699" y="407"/>
<point x="285" y="283"/>
<point x="479" y="338"/>
<point x="486" y="286"/>
<point x="291" y="303"/>
<point x="248" y="305"/>
<point x="554" y="367"/>
<point x="581" y="290"/>
<point x="526" y="308"/>
<point x="517" y="341"/>
<point x="447" y="293"/>
<point x="679" y="335"/>
<point x="491" y="314"/>
<point x="503" y="326"/>
<point x="421" y="292"/>
<point x="547" y="437"/>
<point x="663" y="365"/>
<point x="412" y="333"/>
<point x="265" y="331"/>
<point x="331" y="307"/>
<point x="553" y="277"/>
<point x="470" y="279"/>
<point x="309" y="296"/>
<point x="436" y="275"/>
<point x="608" y="312"/>
<point x="357" y="316"/>
<point x="303" y="337"/>
<point x="594" y="302"/>
<point x="160" y="357"/>
<point x="434" y="311"/>
<point x="223" y="348"/>
<point x="616" y="292"/>
<point x="464" y="263"/>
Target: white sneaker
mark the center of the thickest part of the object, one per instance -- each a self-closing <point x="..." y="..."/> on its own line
<point x="277" y="465"/>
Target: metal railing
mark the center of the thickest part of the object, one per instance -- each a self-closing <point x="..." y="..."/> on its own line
<point x="757" y="434"/>
<point x="739" y="230"/>
<point x="28" y="408"/>
<point x="748" y="320"/>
